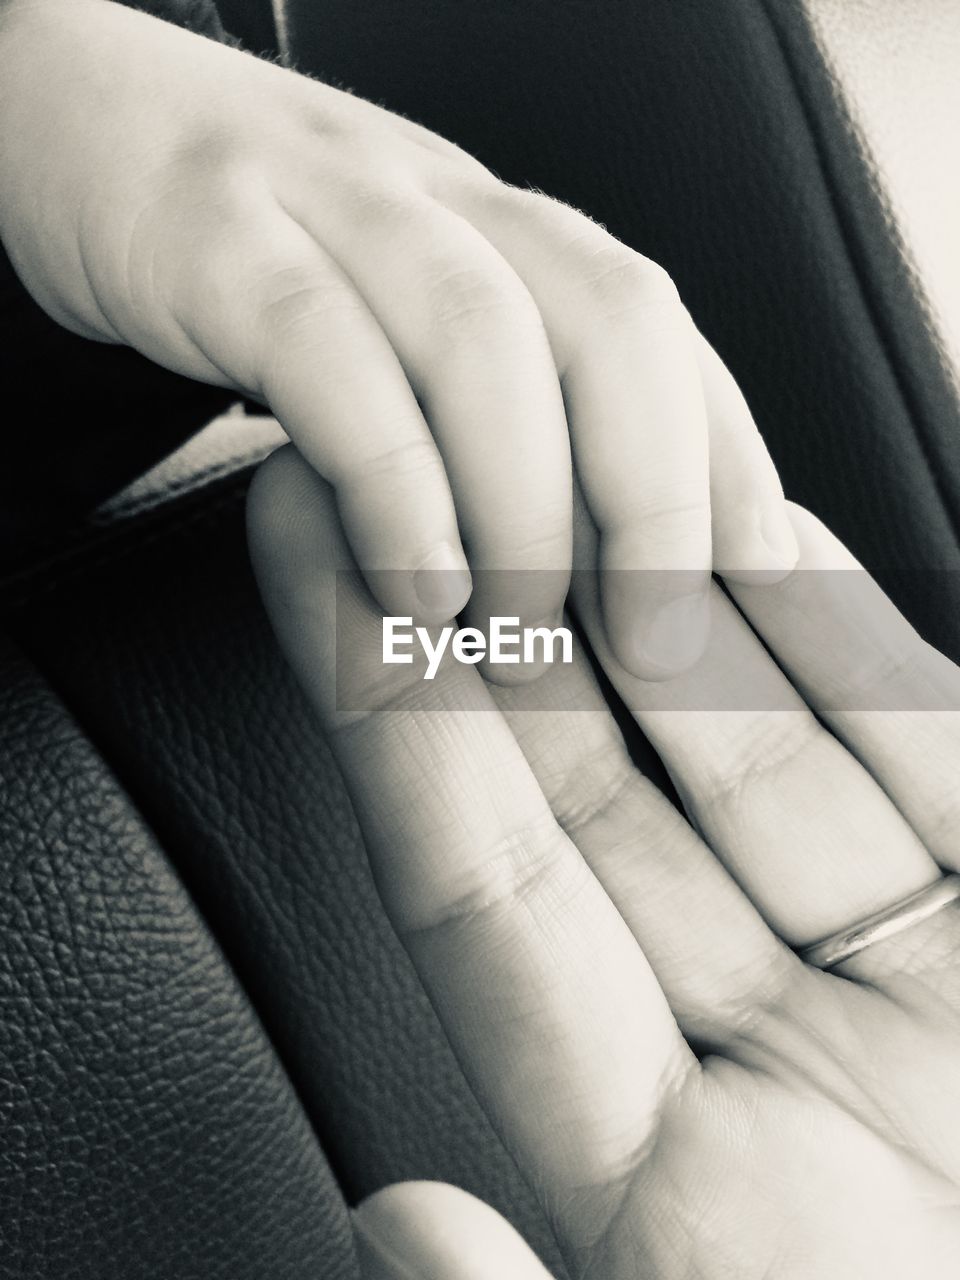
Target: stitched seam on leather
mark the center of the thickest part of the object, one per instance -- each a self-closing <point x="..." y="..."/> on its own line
<point x="172" y="489"/>
<point x="873" y="305"/>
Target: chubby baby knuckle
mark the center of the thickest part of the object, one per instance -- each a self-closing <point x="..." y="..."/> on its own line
<point x="676" y="503"/>
<point x="574" y="230"/>
<point x="291" y="303"/>
<point x="623" y="285"/>
<point x="216" y="147"/>
<point x="480" y="304"/>
<point x="204" y="290"/>
<point x="529" y="203"/>
<point x="657" y="282"/>
<point x="379" y="177"/>
<point x="542" y="541"/>
<point x="451" y="175"/>
<point x="411" y="465"/>
<point x="223" y="165"/>
<point x="466" y="290"/>
<point x="213" y="208"/>
<point x="502" y="201"/>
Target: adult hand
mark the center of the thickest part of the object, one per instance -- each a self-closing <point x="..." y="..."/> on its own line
<point x="434" y="341"/>
<point x="685" y="1095"/>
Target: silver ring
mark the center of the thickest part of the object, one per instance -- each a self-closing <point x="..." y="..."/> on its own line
<point x="840" y="946"/>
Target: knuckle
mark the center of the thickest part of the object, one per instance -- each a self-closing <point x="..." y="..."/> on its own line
<point x="288" y="300"/>
<point x="451" y="172"/>
<point x="755" y="759"/>
<point x="562" y="221"/>
<point x="525" y="202"/>
<point x="536" y="860"/>
<point x="484" y="193"/>
<point x="622" y="285"/>
<point x="663" y="513"/>
<point x="386" y="201"/>
<point x="879" y="678"/>
<point x="666" y="529"/>
<point x="595" y="788"/>
<point x="469" y="303"/>
<point x="221" y="215"/>
<point x="216" y="156"/>
<point x="545" y="545"/>
<point x="413" y="460"/>
<point x="536" y="537"/>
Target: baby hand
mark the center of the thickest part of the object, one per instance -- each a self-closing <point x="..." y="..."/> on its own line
<point x="443" y="348"/>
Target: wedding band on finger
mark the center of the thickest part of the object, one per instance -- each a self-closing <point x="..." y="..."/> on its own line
<point x="903" y="915"/>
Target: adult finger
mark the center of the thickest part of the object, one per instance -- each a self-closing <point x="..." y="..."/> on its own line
<point x="431" y="1229"/>
<point x="714" y="957"/>
<point x="514" y="938"/>
<point x="472" y="343"/>
<point x="892" y="698"/>
<point x="803" y="828"/>
<point x="304" y="340"/>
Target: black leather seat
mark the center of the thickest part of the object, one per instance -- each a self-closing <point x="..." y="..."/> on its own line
<point x="202" y="1002"/>
<point x="210" y="1041"/>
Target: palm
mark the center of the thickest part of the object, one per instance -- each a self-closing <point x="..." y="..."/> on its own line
<point x="780" y="1162"/>
<point x="688" y="1098"/>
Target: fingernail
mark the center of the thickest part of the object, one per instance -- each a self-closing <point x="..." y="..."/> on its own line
<point x="777" y="533"/>
<point x="675" y="638"/>
<point x="442" y="583"/>
<point x="546" y="651"/>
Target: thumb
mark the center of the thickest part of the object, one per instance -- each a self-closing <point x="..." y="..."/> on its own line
<point x="433" y="1231"/>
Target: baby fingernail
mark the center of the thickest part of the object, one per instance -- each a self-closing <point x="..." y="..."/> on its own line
<point x="443" y="583"/>
<point x="675" y="637"/>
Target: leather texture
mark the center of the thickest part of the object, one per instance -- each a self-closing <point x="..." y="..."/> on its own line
<point x="154" y="636"/>
<point x="147" y="1129"/>
<point x="201" y="996"/>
